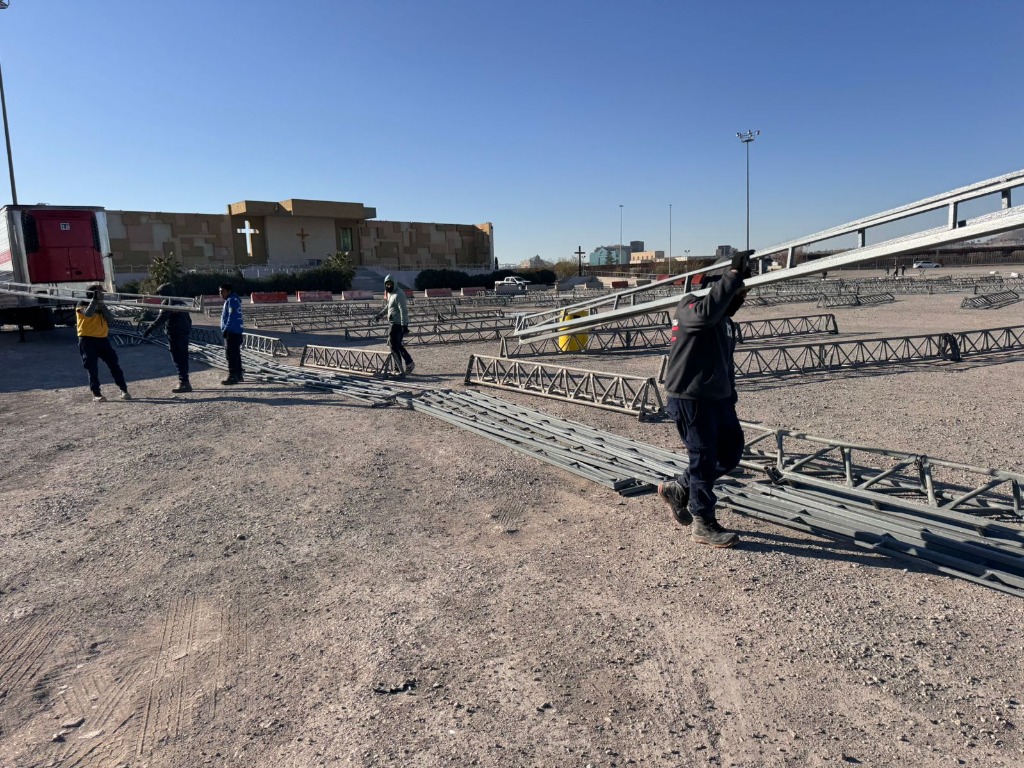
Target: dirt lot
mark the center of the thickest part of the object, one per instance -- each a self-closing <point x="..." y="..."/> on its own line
<point x="265" y="576"/>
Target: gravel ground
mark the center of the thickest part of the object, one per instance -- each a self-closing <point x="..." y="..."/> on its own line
<point x="265" y="576"/>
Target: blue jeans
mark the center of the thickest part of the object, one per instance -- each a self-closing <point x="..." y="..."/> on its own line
<point x="711" y="432"/>
<point x="233" y="352"/>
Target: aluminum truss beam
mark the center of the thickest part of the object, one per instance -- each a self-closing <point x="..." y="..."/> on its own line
<point x="634" y="395"/>
<point x="778" y="327"/>
<point x="351" y="360"/>
<point x="956" y="230"/>
<point x="855" y="300"/>
<point x="990" y="300"/>
<point x="141" y="301"/>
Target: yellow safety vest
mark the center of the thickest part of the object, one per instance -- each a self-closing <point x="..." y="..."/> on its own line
<point x="95" y="326"/>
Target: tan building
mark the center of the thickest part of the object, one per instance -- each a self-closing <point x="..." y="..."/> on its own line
<point x="639" y="257"/>
<point x="293" y="233"/>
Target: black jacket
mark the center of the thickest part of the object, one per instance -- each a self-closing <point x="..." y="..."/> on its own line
<point x="700" y="365"/>
<point x="178" y="323"/>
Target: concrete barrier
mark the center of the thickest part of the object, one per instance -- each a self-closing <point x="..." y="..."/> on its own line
<point x="437" y="293"/>
<point x="620" y="283"/>
<point x="473" y="291"/>
<point x="269" y="297"/>
<point x="314" y="296"/>
<point x="357" y="295"/>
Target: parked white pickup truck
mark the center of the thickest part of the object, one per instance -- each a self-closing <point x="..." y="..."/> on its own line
<point x="511" y="284"/>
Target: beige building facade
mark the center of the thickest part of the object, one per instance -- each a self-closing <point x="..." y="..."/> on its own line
<point x="293" y="233"/>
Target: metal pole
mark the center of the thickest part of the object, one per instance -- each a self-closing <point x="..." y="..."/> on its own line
<point x="748" y="195"/>
<point x="7" y="132"/>
<point x="620" y="234"/>
<point x="747" y="138"/>
<point x="670" y="233"/>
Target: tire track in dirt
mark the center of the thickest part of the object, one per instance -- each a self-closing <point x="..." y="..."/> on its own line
<point x="23" y="658"/>
<point x="511" y="515"/>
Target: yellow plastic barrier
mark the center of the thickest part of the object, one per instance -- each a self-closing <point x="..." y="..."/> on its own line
<point x="575" y="342"/>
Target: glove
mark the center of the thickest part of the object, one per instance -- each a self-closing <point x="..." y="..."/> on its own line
<point x="741" y="262"/>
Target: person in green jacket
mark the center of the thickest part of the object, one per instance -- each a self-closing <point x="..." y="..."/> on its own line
<point x="396" y="308"/>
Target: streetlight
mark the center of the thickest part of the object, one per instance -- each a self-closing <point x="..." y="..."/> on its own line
<point x="620" y="234"/>
<point x="747" y="138"/>
<point x="670" y="232"/>
<point x="7" y="132"/>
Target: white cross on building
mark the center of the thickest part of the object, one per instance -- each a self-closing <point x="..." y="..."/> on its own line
<point x="248" y="231"/>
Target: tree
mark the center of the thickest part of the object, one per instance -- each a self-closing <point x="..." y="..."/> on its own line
<point x="566" y="268"/>
<point x="341" y="263"/>
<point x="163" y="269"/>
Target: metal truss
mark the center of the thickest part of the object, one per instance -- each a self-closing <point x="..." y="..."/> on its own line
<point x="440" y="333"/>
<point x="989" y="340"/>
<point x="1008" y="217"/>
<point x="779" y="327"/>
<point x="597" y="340"/>
<point x="805" y="358"/>
<point x="264" y="345"/>
<point x="782" y="298"/>
<point x="990" y="300"/>
<point x="634" y="395"/>
<point x="639" y="332"/>
<point x="855" y="300"/>
<point x="355" y="360"/>
<point x="140" y="301"/>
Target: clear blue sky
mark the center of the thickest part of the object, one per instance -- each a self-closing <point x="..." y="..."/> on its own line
<point x="541" y="117"/>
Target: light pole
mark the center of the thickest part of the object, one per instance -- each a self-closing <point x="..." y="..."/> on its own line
<point x="747" y="138"/>
<point x="7" y="132"/>
<point x="620" y="234"/>
<point x="670" y="233"/>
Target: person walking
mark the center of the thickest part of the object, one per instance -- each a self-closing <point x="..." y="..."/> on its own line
<point x="700" y="383"/>
<point x="92" y="321"/>
<point x="231" y="328"/>
<point x="396" y="308"/>
<point x="179" y="324"/>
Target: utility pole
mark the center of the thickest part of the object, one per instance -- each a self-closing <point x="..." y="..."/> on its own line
<point x="748" y="138"/>
<point x="7" y="132"/>
<point x="579" y="255"/>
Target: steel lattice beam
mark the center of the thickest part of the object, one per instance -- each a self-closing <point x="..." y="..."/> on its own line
<point x="356" y="360"/>
<point x="990" y="300"/>
<point x="626" y="394"/>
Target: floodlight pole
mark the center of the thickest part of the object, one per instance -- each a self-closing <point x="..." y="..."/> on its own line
<point x="747" y="138"/>
<point x="7" y="131"/>
<point x="620" y="234"/>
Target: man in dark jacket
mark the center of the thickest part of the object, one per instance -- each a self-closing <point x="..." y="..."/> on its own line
<point x="701" y="387"/>
<point x="178" y="323"/>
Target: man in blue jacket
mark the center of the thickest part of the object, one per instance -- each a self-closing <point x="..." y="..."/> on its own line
<point x="231" y="328"/>
<point x="700" y="381"/>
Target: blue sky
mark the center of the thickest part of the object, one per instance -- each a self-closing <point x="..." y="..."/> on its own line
<point x="541" y="117"/>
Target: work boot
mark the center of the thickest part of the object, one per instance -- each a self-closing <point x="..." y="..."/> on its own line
<point x="182" y="388"/>
<point x="678" y="499"/>
<point x="229" y="381"/>
<point x="410" y="367"/>
<point x="707" y="530"/>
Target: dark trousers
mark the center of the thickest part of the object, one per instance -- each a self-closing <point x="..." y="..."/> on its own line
<point x="233" y="352"/>
<point x="92" y="350"/>
<point x="179" y="354"/>
<point x="395" y="336"/>
<point x="713" y="438"/>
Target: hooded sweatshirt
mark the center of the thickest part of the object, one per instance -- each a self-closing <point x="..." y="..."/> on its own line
<point x="178" y="323"/>
<point x="397" y="306"/>
<point x="700" y="365"/>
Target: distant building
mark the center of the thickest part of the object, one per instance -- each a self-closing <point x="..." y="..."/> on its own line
<point x="639" y="257"/>
<point x="724" y="252"/>
<point x="293" y="233"/>
<point x="535" y="263"/>
<point x="605" y="255"/>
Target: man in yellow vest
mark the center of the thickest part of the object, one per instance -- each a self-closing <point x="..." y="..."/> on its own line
<point x="93" y="326"/>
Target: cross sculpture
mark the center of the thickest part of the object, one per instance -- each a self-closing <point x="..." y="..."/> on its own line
<point x="579" y="253"/>
<point x="302" y="234"/>
<point x="248" y="231"/>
